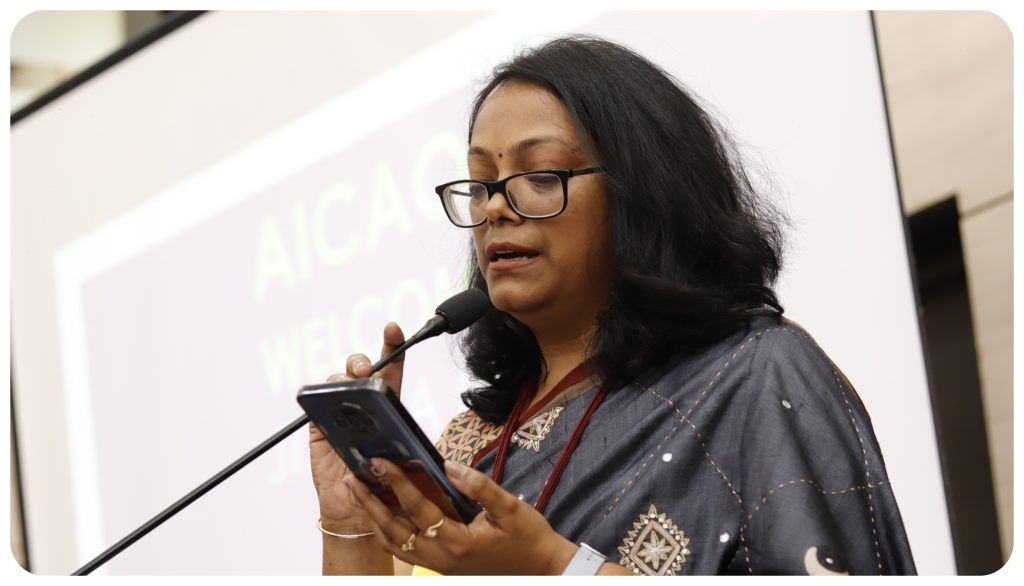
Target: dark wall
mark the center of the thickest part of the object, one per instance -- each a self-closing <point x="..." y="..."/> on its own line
<point x="955" y="386"/>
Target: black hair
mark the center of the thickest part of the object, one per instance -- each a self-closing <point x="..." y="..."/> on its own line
<point x="696" y="251"/>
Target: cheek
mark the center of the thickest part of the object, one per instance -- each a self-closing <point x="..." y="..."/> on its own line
<point x="587" y="233"/>
<point x="601" y="237"/>
<point x="598" y="256"/>
<point x="576" y="251"/>
<point x="588" y="255"/>
<point x="478" y="247"/>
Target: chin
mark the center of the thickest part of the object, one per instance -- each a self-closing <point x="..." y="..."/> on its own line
<point x="513" y="299"/>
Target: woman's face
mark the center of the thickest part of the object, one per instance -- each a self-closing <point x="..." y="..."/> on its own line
<point x="566" y="274"/>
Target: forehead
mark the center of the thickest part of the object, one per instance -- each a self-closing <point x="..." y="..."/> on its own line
<point x="516" y="112"/>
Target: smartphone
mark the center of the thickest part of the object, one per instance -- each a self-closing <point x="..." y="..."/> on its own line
<point x="363" y="419"/>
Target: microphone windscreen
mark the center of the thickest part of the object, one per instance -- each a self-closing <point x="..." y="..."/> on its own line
<point x="462" y="310"/>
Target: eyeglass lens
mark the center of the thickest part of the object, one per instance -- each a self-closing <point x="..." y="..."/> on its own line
<point x="532" y="195"/>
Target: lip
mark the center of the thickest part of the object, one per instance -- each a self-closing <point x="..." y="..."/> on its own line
<point x="498" y="264"/>
<point x="510" y="264"/>
<point x="495" y="247"/>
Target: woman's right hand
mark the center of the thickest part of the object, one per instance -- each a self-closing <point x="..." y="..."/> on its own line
<point x="338" y="512"/>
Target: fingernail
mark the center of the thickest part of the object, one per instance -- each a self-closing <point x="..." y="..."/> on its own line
<point x="454" y="469"/>
<point x="377" y="468"/>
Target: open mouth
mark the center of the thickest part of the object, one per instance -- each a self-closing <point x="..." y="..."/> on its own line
<point x="511" y="255"/>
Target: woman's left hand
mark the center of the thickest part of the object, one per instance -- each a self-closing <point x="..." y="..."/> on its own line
<point x="508" y="537"/>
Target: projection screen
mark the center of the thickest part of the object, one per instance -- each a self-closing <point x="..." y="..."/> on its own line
<point x="226" y="214"/>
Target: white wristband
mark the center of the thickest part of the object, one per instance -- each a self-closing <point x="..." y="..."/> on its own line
<point x="586" y="562"/>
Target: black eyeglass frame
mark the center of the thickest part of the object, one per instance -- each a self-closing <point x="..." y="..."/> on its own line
<point x="500" y="185"/>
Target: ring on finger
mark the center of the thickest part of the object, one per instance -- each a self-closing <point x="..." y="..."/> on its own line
<point x="410" y="544"/>
<point x="431" y="531"/>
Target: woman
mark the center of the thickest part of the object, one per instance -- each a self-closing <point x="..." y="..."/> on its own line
<point x="642" y="393"/>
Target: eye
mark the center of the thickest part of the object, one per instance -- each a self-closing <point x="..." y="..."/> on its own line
<point x="544" y="180"/>
<point x="477" y="190"/>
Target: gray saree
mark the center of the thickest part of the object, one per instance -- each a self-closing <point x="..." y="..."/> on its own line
<point x="754" y="456"/>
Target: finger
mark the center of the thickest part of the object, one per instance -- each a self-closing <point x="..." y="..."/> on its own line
<point x="393" y="338"/>
<point x="357" y="366"/>
<point x="419" y="509"/>
<point x="350" y="483"/>
<point x="498" y="502"/>
<point x="393" y="530"/>
<point x="396" y="537"/>
<point x="393" y="372"/>
<point x="337" y="377"/>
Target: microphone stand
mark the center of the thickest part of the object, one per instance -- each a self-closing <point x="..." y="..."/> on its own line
<point x="433" y="327"/>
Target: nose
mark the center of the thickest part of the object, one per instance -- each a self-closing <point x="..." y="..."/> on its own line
<point x="499" y="209"/>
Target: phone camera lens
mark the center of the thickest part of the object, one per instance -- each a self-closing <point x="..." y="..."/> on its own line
<point x="354" y="420"/>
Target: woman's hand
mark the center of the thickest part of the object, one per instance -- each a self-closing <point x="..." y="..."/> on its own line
<point x="508" y="537"/>
<point x="338" y="513"/>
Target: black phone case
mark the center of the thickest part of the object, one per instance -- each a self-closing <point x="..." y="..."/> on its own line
<point x="363" y="419"/>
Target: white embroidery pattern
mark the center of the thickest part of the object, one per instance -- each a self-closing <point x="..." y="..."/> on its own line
<point x="534" y="431"/>
<point x="655" y="546"/>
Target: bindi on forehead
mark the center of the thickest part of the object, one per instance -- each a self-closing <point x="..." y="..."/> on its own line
<point x="521" y="147"/>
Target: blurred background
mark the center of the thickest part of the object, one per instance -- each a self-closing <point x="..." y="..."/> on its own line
<point x="948" y="84"/>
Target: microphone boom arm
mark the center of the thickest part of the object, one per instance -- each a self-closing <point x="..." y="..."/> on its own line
<point x="192" y="496"/>
<point x="452" y="316"/>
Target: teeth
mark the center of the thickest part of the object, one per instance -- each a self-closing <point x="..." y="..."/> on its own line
<point x="507" y="254"/>
<point x="510" y="254"/>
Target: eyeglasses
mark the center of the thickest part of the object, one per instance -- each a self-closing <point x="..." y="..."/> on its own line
<point x="535" y="195"/>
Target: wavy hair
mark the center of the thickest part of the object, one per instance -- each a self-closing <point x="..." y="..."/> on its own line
<point x="696" y="250"/>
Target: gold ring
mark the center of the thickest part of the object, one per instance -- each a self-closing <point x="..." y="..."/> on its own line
<point x="431" y="531"/>
<point x="410" y="544"/>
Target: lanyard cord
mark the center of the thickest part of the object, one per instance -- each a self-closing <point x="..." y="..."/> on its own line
<point x="563" y="460"/>
<point x="506" y="435"/>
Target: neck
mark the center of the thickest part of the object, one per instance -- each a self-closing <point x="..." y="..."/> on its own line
<point x="563" y="337"/>
<point x="562" y="352"/>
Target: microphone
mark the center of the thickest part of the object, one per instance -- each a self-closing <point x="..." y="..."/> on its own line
<point x="453" y="315"/>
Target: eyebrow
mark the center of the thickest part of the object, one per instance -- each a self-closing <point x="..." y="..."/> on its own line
<point x="524" y="145"/>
